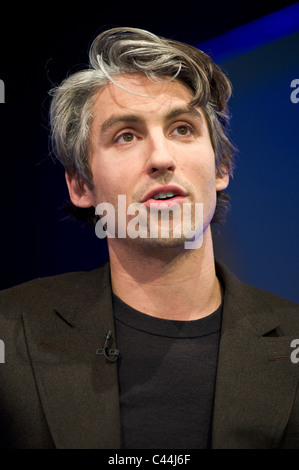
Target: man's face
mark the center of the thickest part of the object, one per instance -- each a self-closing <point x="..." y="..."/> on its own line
<point x="143" y="146"/>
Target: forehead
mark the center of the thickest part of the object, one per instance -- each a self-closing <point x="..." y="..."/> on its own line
<point x="136" y="93"/>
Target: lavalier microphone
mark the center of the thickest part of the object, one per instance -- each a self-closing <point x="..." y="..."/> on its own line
<point x="110" y="354"/>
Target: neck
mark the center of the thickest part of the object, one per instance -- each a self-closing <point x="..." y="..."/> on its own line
<point x="167" y="283"/>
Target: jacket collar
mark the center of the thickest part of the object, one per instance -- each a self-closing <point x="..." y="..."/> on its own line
<point x="244" y="301"/>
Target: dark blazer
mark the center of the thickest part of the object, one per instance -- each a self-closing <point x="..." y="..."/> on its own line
<point x="56" y="392"/>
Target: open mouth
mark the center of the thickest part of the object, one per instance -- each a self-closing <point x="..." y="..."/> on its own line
<point x="164" y="200"/>
<point x="164" y="196"/>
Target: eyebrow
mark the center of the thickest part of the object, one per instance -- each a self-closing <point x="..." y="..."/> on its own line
<point x="114" y="120"/>
<point x="189" y="110"/>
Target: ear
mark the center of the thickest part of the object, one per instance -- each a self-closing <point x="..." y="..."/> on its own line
<point x="222" y="179"/>
<point x="80" y="194"/>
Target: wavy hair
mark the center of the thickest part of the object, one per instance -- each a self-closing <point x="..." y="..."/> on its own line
<point x="130" y="50"/>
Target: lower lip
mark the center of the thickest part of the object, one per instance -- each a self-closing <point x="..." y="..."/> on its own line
<point x="164" y="203"/>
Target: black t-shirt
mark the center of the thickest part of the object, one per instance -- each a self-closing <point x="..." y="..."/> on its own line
<point x="167" y="372"/>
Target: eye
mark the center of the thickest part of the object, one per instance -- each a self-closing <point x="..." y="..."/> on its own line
<point x="182" y="130"/>
<point x="125" y="137"/>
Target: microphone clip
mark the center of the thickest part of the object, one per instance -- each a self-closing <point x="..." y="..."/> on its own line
<point x="110" y="354"/>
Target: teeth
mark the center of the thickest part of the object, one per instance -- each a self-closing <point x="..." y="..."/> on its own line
<point x="164" y="195"/>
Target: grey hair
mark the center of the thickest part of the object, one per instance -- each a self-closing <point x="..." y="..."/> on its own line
<point x="130" y="50"/>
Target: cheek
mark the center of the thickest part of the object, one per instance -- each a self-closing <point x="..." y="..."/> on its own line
<point x="102" y="180"/>
<point x="110" y="181"/>
<point x="202" y="168"/>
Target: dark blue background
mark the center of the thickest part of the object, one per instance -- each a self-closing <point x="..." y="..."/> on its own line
<point x="262" y="233"/>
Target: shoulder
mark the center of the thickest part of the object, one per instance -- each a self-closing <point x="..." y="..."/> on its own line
<point x="286" y="311"/>
<point x="69" y="287"/>
<point x="256" y="301"/>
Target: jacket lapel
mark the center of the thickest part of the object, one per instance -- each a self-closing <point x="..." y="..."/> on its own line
<point x="78" y="388"/>
<point x="256" y="380"/>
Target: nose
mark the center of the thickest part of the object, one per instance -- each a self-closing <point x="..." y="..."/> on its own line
<point x="160" y="158"/>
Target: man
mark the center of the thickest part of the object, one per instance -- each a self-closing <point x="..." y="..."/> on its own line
<point x="162" y="347"/>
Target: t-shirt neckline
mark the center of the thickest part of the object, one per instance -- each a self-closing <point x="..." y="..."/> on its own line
<point x="162" y="327"/>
